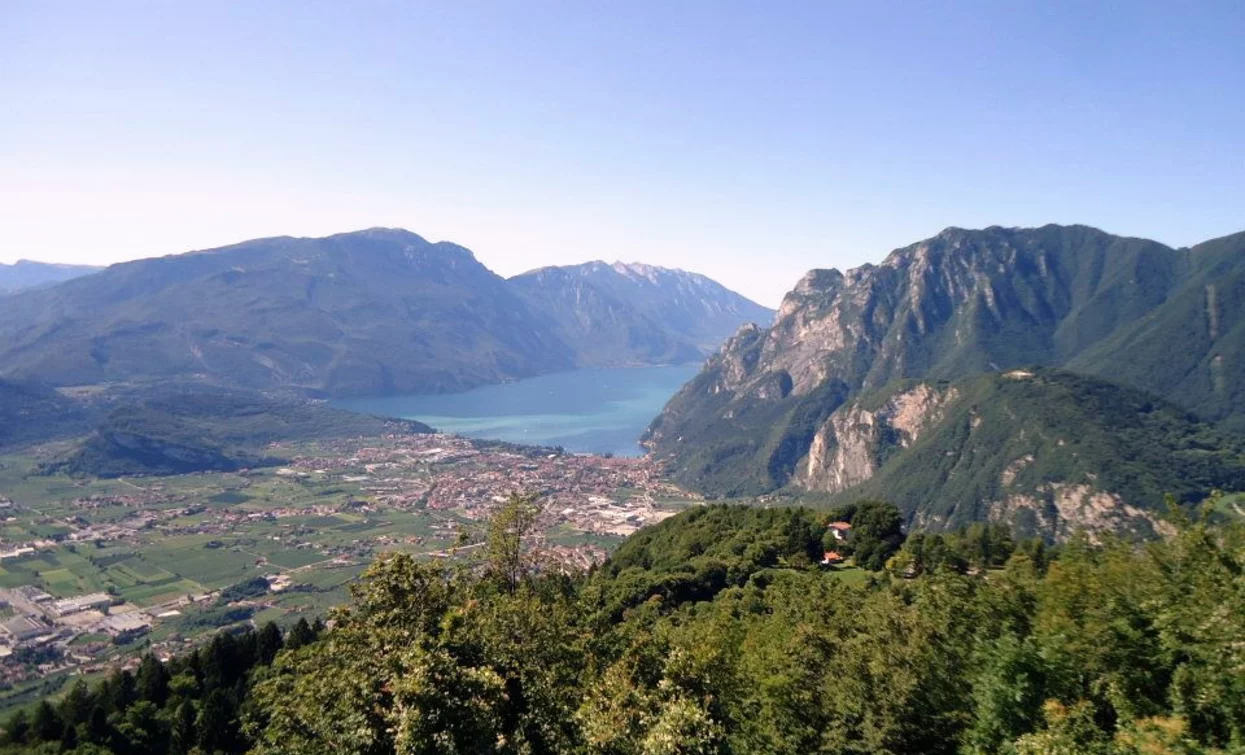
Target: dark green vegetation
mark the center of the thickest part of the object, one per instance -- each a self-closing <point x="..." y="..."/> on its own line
<point x="189" y="704"/>
<point x="373" y="312"/>
<point x="963" y="303"/>
<point x="1019" y="447"/>
<point x="988" y="647"/>
<point x="25" y="274"/>
<point x="31" y="413"/>
<point x="198" y="429"/>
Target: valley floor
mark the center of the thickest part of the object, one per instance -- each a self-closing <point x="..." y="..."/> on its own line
<point x="150" y="557"/>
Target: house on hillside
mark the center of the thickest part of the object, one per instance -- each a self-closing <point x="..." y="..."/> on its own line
<point x="840" y="529"/>
<point x="830" y="558"/>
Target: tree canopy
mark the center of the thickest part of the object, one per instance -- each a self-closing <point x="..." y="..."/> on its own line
<point x="716" y="632"/>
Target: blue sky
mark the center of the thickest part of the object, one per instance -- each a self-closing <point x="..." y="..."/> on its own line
<point x="748" y="141"/>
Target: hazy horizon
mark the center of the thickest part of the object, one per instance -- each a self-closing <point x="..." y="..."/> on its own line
<point x="746" y="143"/>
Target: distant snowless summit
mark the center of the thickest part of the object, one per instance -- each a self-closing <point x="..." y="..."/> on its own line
<point x="370" y="312"/>
<point x="25" y="274"/>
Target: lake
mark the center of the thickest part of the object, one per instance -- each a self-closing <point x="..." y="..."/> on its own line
<point x="584" y="411"/>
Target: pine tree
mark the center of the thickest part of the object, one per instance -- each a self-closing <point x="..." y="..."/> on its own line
<point x="17" y="728"/>
<point x="184" y="735"/>
<point x="97" y="729"/>
<point x="268" y="643"/>
<point x="214" y="722"/>
<point x="69" y="739"/>
<point x="301" y="634"/>
<point x="153" y="681"/>
<point x="46" y="724"/>
<point x="76" y="707"/>
<point x="124" y="691"/>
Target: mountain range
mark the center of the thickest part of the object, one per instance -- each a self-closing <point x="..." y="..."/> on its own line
<point x="25" y="274"/>
<point x="372" y="312"/>
<point x="779" y="407"/>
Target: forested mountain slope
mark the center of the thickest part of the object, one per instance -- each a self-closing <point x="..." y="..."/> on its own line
<point x="372" y="312"/>
<point x="956" y="305"/>
<point x="33" y="413"/>
<point x="1045" y="452"/>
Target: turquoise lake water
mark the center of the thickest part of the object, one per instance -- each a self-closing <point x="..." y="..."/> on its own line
<point x="585" y="411"/>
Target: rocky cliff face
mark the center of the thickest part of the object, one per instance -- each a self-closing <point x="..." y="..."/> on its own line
<point x="762" y="414"/>
<point x="854" y="442"/>
<point x="1046" y="451"/>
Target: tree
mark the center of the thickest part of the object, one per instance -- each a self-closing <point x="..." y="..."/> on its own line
<point x="152" y="682"/>
<point x="98" y="730"/>
<point x="877" y="533"/>
<point x="69" y="739"/>
<point x="182" y="733"/>
<point x="300" y="634"/>
<point x="141" y="729"/>
<point x="76" y="706"/>
<point x="508" y="527"/>
<point x="17" y="728"/>
<point x="214" y="723"/>
<point x="268" y="643"/>
<point x="46" y="724"/>
<point x="122" y="691"/>
<point x="1068" y="731"/>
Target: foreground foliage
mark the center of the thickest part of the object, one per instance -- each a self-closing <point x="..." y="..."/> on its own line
<point x="716" y="633"/>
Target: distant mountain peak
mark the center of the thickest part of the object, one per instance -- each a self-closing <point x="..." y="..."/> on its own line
<point x="381" y="233"/>
<point x="26" y="274"/>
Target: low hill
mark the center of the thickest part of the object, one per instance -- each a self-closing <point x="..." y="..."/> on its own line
<point x="964" y="644"/>
<point x="32" y="413"/>
<point x="198" y="431"/>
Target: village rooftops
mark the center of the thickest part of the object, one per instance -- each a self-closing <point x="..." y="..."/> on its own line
<point x="81" y="603"/>
<point x="25" y="628"/>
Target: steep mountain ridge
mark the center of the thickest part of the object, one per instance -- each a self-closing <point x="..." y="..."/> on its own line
<point x="369" y="312"/>
<point x="960" y="304"/>
<point x="623" y="314"/>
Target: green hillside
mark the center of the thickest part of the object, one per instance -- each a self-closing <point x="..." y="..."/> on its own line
<point x="1191" y="348"/>
<point x="200" y="430"/>
<point x="963" y="303"/>
<point x="1016" y="446"/>
<point x="32" y="413"/>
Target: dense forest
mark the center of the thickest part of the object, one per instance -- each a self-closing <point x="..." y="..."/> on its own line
<point x="720" y="631"/>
